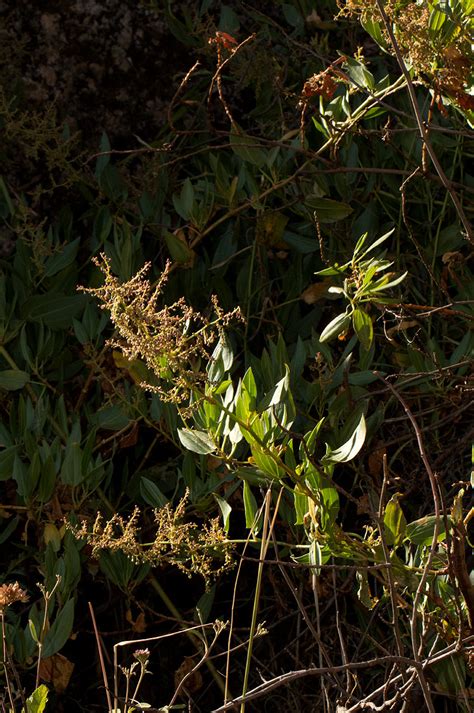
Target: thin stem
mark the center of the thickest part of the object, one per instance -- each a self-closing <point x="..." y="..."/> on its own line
<point x="5" y="668"/>
<point x="47" y="596"/>
<point x="101" y="657"/>
<point x="256" y="599"/>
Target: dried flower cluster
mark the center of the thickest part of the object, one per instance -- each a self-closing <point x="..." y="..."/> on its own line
<point x="193" y="549"/>
<point x="172" y="340"/>
<point x="448" y="63"/>
<point x="11" y="593"/>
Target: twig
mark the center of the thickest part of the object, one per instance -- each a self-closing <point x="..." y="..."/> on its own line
<point x="391" y="582"/>
<point x="101" y="657"/>
<point x="437" y="508"/>
<point x="184" y="81"/>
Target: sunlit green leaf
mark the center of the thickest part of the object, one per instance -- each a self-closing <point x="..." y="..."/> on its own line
<point x="196" y="441"/>
<point x="339" y="325"/>
<point x="395" y="524"/>
<point x="350" y="448"/>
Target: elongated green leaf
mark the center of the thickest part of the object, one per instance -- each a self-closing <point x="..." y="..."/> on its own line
<point x="9" y="529"/>
<point x="13" y="379"/>
<point x="351" y="448"/>
<point x="363" y="327"/>
<point x="196" y="441"/>
<point x="111" y="418"/>
<point x="359" y="73"/>
<point x="33" y="632"/>
<point x="103" y="161"/>
<point x="246" y="147"/>
<point x="327" y="210"/>
<point x="59" y="261"/>
<point x="363" y="590"/>
<point x="204" y="605"/>
<point x="376" y="243"/>
<point x="421" y="531"/>
<point x="301" y="506"/>
<point x="250" y="507"/>
<point x="374" y="30"/>
<point x="221" y="361"/>
<point x="225" y="509"/>
<point x="60" y="630"/>
<point x="54" y="310"/>
<point x="394" y="522"/>
<point x="151" y="493"/>
<point x="337" y="326"/>
<point x="436" y="21"/>
<point x="72" y="471"/>
<point x="267" y="463"/>
<point x="178" y="248"/>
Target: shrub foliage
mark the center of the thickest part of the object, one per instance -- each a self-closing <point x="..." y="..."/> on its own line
<point x="251" y="428"/>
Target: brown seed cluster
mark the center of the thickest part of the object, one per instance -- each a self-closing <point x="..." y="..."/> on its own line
<point x="172" y="340"/>
<point x="195" y="549"/>
<point x="447" y="63"/>
<point x="11" y="593"/>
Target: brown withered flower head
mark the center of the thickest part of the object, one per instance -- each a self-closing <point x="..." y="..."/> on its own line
<point x="11" y="593"/>
<point x="172" y="340"/>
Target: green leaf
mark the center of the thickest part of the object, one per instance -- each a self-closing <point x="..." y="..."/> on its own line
<point x="421" y="531"/>
<point x="111" y="418"/>
<point x="301" y="506"/>
<point x="178" y="248"/>
<point x="436" y="21"/>
<point x="394" y="521"/>
<point x="9" y="529"/>
<point x="266" y="463"/>
<point x="225" y="509"/>
<point x="359" y="73"/>
<point x="204" y="605"/>
<point x="36" y="703"/>
<point x="221" y="361"/>
<point x="249" y="382"/>
<point x="55" y="310"/>
<point x="59" y="261"/>
<point x="33" y="632"/>
<point x="117" y="567"/>
<point x="13" y="379"/>
<point x="60" y="630"/>
<point x="250" y="507"/>
<point x="103" y="161"/>
<point x="350" y="448"/>
<point x="151" y="493"/>
<point x="71" y="471"/>
<point x="196" y="441"/>
<point x="363" y="590"/>
<point x="246" y="147"/>
<point x="326" y="210"/>
<point x="337" y="326"/>
<point x="20" y="476"/>
<point x="363" y="327"/>
<point x="293" y="16"/>
<point x="374" y="30"/>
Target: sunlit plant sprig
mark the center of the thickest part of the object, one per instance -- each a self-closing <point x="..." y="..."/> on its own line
<point x="194" y="549"/>
<point x="365" y="280"/>
<point x="173" y="340"/>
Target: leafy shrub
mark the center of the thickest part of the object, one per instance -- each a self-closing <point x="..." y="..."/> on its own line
<point x="326" y="438"/>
